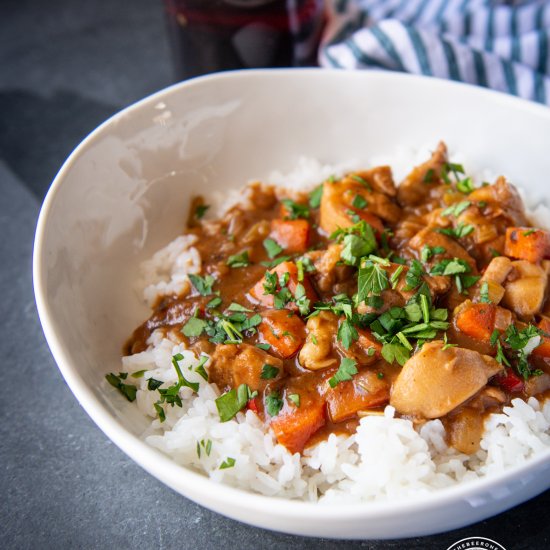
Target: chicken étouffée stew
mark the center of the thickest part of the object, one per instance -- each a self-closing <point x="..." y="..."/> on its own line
<point x="319" y="308"/>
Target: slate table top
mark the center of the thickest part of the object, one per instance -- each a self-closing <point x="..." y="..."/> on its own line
<point x="65" y="66"/>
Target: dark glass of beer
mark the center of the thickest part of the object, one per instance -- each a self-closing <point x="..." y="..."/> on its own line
<point x="217" y="35"/>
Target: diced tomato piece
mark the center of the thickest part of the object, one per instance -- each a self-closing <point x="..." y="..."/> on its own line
<point x="477" y="320"/>
<point x="283" y="330"/>
<point x="257" y="292"/>
<point x="292" y="235"/>
<point x="295" y="425"/>
<point x="543" y="350"/>
<point x="252" y="406"/>
<point x="510" y="381"/>
<point x="526" y="243"/>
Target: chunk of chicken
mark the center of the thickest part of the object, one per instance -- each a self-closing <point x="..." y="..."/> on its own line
<point x="453" y="249"/>
<point x="321" y="331"/>
<point x="327" y="269"/>
<point x="525" y="294"/>
<point x="365" y="350"/>
<point x="380" y="178"/>
<point x="435" y="380"/>
<point x="235" y="364"/>
<point x="493" y="279"/>
<point x="337" y="208"/>
<point x="416" y="187"/>
<point x="504" y="199"/>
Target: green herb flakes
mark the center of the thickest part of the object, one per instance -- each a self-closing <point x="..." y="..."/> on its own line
<point x="272" y="247"/>
<point x="359" y="202"/>
<point x="194" y="327"/>
<point x="203" y="285"/>
<point x="231" y="402"/>
<point x="294" y="398"/>
<point x="273" y="403"/>
<point x="295" y="210"/>
<point x="227" y="463"/>
<point x="200" y="211"/>
<point x="269" y="372"/>
<point x="127" y="390"/>
<point x="346" y="371"/>
<point x="315" y="197"/>
<point x="239" y="260"/>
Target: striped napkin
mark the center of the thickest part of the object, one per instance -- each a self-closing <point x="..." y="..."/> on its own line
<point x="499" y="45"/>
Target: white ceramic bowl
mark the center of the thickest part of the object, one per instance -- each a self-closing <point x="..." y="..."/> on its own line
<point x="123" y="193"/>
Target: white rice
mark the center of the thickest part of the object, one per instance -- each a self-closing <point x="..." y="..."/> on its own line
<point x="386" y="459"/>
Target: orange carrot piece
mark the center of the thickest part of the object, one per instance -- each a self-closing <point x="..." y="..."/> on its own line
<point x="295" y="425"/>
<point x="544" y="349"/>
<point x="256" y="293"/>
<point x="283" y="330"/>
<point x="292" y="235"/>
<point x="477" y="320"/>
<point x="526" y="243"/>
<point x="347" y="398"/>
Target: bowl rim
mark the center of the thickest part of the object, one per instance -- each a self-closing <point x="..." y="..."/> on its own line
<point x="161" y="466"/>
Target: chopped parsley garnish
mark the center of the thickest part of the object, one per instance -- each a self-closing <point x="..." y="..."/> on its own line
<point x="272" y="247"/>
<point x="200" y="211"/>
<point x="269" y="372"/>
<point x="456" y="209"/>
<point x="359" y="202"/>
<point x="461" y="230"/>
<point x="214" y="303"/>
<point x="395" y="352"/>
<point x="301" y="300"/>
<point x="523" y="342"/>
<point x="414" y="276"/>
<point x="450" y="267"/>
<point x="276" y="261"/>
<point x="347" y="333"/>
<point x="451" y="168"/>
<point x="199" y="369"/>
<point x="194" y="327"/>
<point x="231" y="402"/>
<point x="429" y="251"/>
<point x="263" y="347"/>
<point x="446" y="344"/>
<point x="315" y="197"/>
<point x="139" y="373"/>
<point x="153" y="384"/>
<point x="429" y="176"/>
<point x="346" y="371"/>
<point x="203" y="285"/>
<point x="206" y="445"/>
<point x="239" y="260"/>
<point x="362" y="181"/>
<point x="170" y="395"/>
<point x="273" y="404"/>
<point x="127" y="390"/>
<point x="238" y="308"/>
<point x="227" y="463"/>
<point x="484" y="293"/>
<point x="295" y="210"/>
<point x="372" y="279"/>
<point x="294" y="398"/>
<point x="528" y="232"/>
<point x="356" y="247"/>
<point x="465" y="185"/>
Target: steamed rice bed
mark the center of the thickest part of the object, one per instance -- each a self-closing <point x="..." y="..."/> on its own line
<point x="386" y="458"/>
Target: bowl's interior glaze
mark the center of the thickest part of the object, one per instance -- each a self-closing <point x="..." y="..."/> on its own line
<point x="124" y="193"/>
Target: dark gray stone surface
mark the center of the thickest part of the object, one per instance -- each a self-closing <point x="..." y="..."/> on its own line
<point x="64" y="67"/>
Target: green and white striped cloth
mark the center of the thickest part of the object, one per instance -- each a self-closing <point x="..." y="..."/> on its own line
<point x="499" y="45"/>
